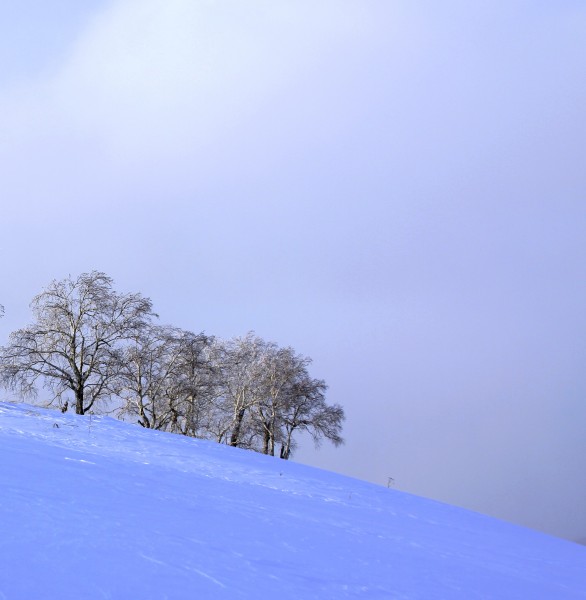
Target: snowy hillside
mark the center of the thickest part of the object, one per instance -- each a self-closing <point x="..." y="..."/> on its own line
<point x="94" y="508"/>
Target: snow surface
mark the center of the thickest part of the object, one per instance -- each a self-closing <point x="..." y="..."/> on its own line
<point x="91" y="507"/>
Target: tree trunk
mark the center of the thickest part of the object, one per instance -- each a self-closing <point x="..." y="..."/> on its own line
<point x="268" y="438"/>
<point x="286" y="446"/>
<point x="235" y="437"/>
<point x="79" y="408"/>
<point x="272" y="450"/>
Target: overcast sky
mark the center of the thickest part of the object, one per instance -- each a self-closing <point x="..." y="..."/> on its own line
<point x="395" y="188"/>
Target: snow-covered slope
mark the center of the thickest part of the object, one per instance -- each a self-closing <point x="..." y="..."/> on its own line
<point x="94" y="508"/>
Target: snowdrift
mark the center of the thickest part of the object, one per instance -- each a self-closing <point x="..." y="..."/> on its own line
<point x="91" y="507"/>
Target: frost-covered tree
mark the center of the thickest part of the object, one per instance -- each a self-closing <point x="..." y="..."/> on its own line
<point x="89" y="344"/>
<point x="73" y="346"/>
<point x="269" y="396"/>
<point x="239" y="368"/>
<point x="306" y="410"/>
<point x="166" y="380"/>
<point x="196" y="388"/>
<point x="145" y="372"/>
<point x="280" y="369"/>
<point x="293" y="401"/>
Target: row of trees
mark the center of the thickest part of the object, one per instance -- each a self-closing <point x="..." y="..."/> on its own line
<point x="101" y="351"/>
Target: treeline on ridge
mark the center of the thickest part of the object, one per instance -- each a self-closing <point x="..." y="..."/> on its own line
<point x="97" y="350"/>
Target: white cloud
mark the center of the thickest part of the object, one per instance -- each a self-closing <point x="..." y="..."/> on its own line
<point x="153" y="76"/>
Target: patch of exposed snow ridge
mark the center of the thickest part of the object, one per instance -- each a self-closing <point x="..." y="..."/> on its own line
<point x="91" y="507"/>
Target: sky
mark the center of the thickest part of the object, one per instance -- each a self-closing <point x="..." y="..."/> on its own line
<point x="395" y="189"/>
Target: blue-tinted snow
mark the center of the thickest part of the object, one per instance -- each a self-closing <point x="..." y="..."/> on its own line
<point x="94" y="508"/>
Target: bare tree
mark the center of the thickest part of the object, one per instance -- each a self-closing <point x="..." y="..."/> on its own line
<point x="145" y="372"/>
<point x="167" y="381"/>
<point x="73" y="345"/>
<point x="292" y="402"/>
<point x="280" y="369"/>
<point x="240" y="366"/>
<point x="306" y="410"/>
<point x="270" y="396"/>
<point x="196" y="388"/>
<point x="89" y="343"/>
